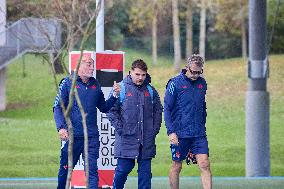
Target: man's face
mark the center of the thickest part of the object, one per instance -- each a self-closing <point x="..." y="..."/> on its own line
<point x="86" y="68"/>
<point x="138" y="76"/>
<point x="193" y="71"/>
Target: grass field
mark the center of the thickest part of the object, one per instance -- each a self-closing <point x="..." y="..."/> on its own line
<point x="29" y="144"/>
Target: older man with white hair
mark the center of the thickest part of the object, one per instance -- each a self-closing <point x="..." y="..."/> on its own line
<point x="91" y="97"/>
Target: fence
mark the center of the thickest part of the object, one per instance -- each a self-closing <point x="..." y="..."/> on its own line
<point x="30" y="35"/>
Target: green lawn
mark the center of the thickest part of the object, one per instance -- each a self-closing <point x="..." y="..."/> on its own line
<point x="29" y="144"/>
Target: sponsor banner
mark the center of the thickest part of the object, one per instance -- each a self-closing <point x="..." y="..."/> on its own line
<point x="106" y="159"/>
<point x="109" y="68"/>
<point x="78" y="179"/>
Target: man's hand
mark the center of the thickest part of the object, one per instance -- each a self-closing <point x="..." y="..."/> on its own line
<point x="63" y="134"/>
<point x="116" y="89"/>
<point x="173" y="138"/>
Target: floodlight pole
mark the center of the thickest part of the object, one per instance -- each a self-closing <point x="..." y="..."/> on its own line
<point x="257" y="97"/>
<point x="100" y="26"/>
<point x="3" y="12"/>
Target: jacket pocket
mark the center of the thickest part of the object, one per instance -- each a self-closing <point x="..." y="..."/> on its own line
<point x="130" y="130"/>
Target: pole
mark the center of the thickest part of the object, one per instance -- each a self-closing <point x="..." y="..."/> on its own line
<point x="257" y="97"/>
<point x="3" y="15"/>
<point x="100" y="26"/>
<point x="3" y="89"/>
<point x="3" y="43"/>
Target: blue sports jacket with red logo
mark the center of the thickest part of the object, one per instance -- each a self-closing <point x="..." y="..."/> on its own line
<point x="91" y="97"/>
<point x="137" y="121"/>
<point x="185" y="106"/>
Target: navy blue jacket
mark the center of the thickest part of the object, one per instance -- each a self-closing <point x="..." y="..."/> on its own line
<point x="137" y="121"/>
<point x="185" y="106"/>
<point x="91" y="97"/>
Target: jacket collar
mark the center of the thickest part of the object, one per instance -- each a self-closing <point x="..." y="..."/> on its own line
<point x="91" y="79"/>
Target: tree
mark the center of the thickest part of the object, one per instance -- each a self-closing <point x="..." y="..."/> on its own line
<point x="17" y="9"/>
<point x="276" y="38"/>
<point x="154" y="32"/>
<point x="143" y="17"/>
<point x="75" y="16"/>
<point x="176" y="35"/>
<point x="85" y="26"/>
<point x="202" y="35"/>
<point x="116" y="23"/>
<point x="189" y="26"/>
<point x="233" y="20"/>
<point x="78" y="19"/>
<point x="243" y="30"/>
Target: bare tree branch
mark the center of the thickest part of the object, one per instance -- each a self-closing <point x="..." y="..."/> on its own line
<point x="86" y="144"/>
<point x="79" y="22"/>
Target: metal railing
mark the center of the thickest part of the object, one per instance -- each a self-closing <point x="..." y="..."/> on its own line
<point x="30" y="35"/>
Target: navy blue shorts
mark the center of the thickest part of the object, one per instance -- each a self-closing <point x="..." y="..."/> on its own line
<point x="197" y="145"/>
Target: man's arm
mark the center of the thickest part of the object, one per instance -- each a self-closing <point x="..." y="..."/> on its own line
<point x="105" y="105"/>
<point x="114" y="116"/>
<point x="62" y="96"/>
<point x="169" y="104"/>
<point x="204" y="106"/>
<point x="157" y="111"/>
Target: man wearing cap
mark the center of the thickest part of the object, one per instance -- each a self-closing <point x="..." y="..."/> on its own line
<point x="185" y="118"/>
<point x="91" y="98"/>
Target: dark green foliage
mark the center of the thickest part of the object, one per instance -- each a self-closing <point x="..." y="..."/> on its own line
<point x="222" y="45"/>
<point x="277" y="45"/>
<point x="116" y="24"/>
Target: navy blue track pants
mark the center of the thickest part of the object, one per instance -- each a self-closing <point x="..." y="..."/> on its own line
<point x="78" y="149"/>
<point x="125" y="166"/>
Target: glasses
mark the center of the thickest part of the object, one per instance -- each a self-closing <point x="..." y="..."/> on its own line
<point x="195" y="72"/>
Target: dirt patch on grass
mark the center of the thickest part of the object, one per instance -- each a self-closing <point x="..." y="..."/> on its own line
<point x="16" y="106"/>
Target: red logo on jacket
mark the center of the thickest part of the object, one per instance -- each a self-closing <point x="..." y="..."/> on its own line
<point x="93" y="86"/>
<point x="177" y="154"/>
<point x="184" y="87"/>
<point x="147" y="94"/>
<point x="129" y="94"/>
<point x="77" y="87"/>
<point x="200" y="86"/>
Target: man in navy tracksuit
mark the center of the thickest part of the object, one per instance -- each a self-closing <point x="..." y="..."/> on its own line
<point x="91" y="97"/>
<point x="185" y="118"/>
<point x="137" y="118"/>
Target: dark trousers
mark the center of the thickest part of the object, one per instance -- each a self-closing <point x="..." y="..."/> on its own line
<point x="124" y="167"/>
<point x="78" y="149"/>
